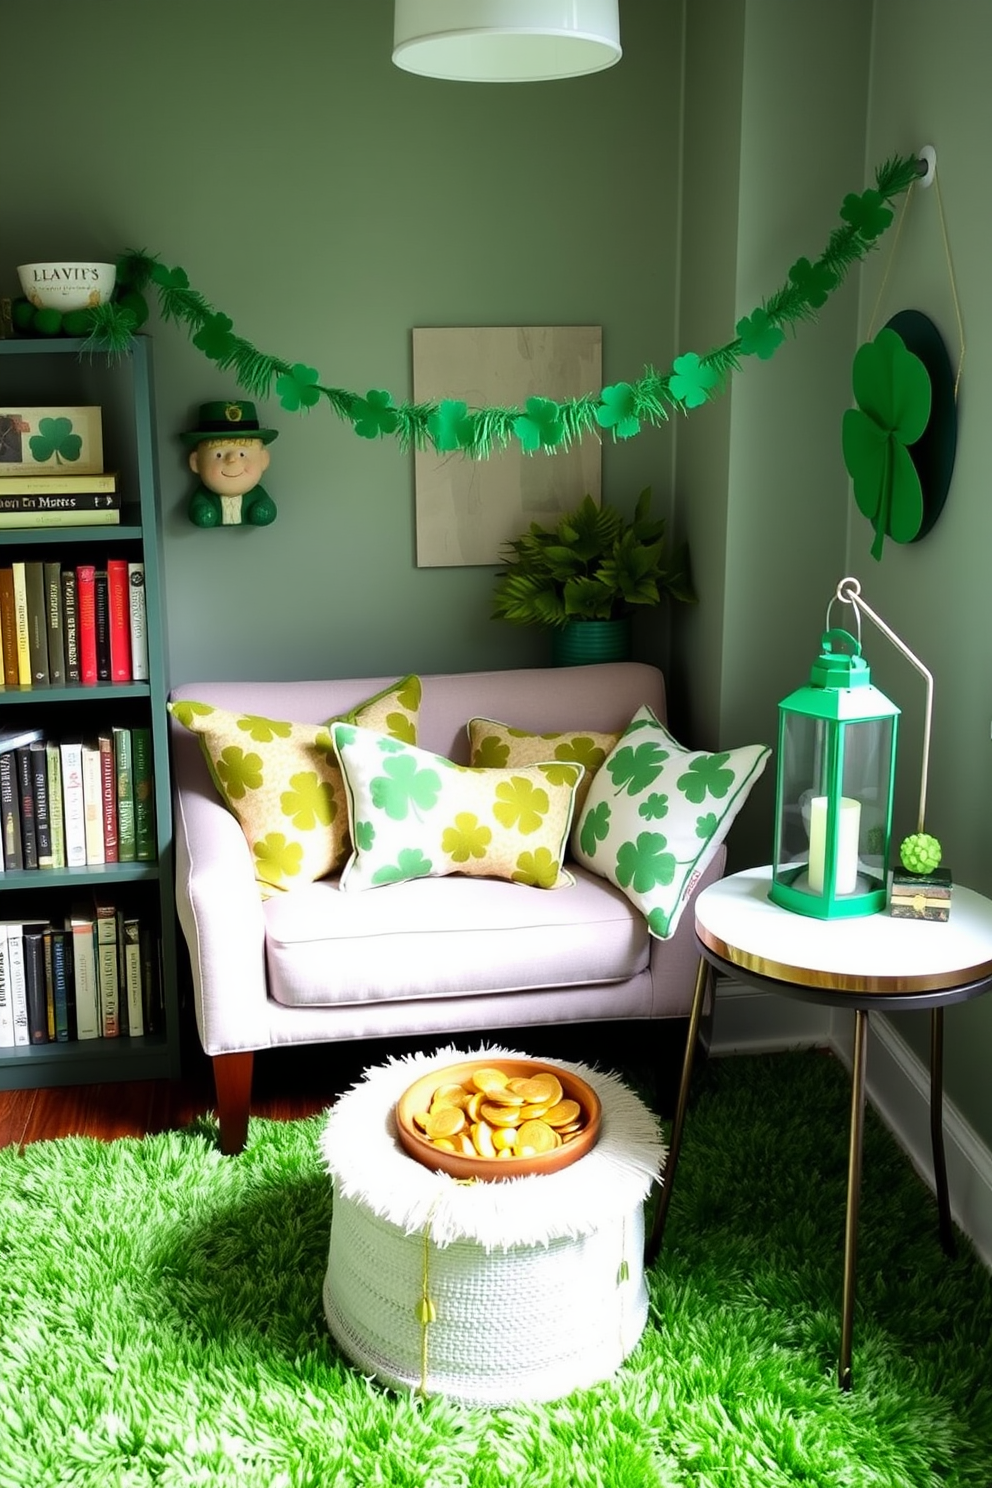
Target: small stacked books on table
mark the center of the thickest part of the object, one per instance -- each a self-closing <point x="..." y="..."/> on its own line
<point x="920" y="896"/>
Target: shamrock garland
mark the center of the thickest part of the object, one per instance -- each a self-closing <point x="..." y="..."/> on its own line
<point x="543" y="424"/>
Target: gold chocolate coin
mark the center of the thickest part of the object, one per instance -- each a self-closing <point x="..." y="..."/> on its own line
<point x="482" y="1137"/>
<point x="447" y="1122"/>
<point x="486" y="1079"/>
<point x="563" y="1114"/>
<point x="537" y="1135"/>
<point x="543" y="1089"/>
<point x="499" y="1115"/>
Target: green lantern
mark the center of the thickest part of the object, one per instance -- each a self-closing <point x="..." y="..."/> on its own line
<point x="834" y="790"/>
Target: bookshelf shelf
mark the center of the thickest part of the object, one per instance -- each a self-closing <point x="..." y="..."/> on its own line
<point x="64" y="373"/>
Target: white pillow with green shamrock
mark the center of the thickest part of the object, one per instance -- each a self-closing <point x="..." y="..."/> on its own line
<point x="414" y="814"/>
<point x="656" y="813"/>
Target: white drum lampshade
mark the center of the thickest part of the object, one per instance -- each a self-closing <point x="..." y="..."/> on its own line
<point x="505" y="41"/>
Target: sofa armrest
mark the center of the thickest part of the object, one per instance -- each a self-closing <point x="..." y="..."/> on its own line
<point x="220" y="911"/>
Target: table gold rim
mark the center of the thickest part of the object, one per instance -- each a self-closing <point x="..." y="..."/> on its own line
<point x="834" y="981"/>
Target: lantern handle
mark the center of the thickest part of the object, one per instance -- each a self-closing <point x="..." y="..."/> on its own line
<point x="849" y="592"/>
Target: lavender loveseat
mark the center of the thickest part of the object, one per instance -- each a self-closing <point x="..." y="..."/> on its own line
<point x="440" y="955"/>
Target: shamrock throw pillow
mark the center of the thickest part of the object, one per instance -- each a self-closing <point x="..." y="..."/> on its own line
<point x="283" y="783"/>
<point x="414" y="814"/>
<point x="498" y="746"/>
<point x="656" y="813"/>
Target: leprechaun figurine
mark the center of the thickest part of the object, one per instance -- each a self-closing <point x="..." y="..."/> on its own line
<point x="229" y="455"/>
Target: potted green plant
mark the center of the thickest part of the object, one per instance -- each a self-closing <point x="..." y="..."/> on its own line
<point x="583" y="577"/>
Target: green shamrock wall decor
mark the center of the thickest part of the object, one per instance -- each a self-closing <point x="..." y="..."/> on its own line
<point x="892" y="389"/>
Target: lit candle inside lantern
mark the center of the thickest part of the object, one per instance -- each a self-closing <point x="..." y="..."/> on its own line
<point x="849" y="826"/>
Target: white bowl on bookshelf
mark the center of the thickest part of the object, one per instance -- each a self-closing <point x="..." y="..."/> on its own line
<point x="67" y="286"/>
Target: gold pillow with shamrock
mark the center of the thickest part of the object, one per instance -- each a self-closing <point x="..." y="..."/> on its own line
<point x="414" y="814"/>
<point x="497" y="746"/>
<point x="283" y="783"/>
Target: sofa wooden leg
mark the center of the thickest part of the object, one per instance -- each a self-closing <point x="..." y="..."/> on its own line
<point x="232" y="1082"/>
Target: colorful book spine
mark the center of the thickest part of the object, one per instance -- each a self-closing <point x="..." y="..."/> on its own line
<point x="6" y="1009"/>
<point x="53" y="762"/>
<point x="126" y="845"/>
<point x="63" y="993"/>
<point x="119" y="606"/>
<point x="38" y="755"/>
<point x="33" y="941"/>
<point x="10" y="811"/>
<point x="69" y="625"/>
<point x="105" y="918"/>
<point x="101" y="624"/>
<point x="56" y="628"/>
<point x="138" y="621"/>
<point x="86" y="622"/>
<point x="25" y="801"/>
<point x="129" y="931"/>
<point x="18" y="989"/>
<point x="108" y="781"/>
<point x="61" y="486"/>
<point x="88" y="1019"/>
<point x="73" y="805"/>
<point x="8" y="628"/>
<point x="21" y="630"/>
<point x="93" y="801"/>
<point x="64" y="518"/>
<point x="144" y="794"/>
<point x="34" y="582"/>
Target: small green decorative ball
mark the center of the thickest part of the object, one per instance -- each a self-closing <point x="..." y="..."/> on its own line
<point x="77" y="322"/>
<point x="136" y="303"/>
<point x="920" y="853"/>
<point x="22" y="314"/>
<point x="47" y="322"/>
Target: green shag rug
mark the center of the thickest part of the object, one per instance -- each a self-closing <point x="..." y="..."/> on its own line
<point x="161" y="1322"/>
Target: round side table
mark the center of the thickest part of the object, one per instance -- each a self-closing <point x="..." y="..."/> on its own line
<point x="871" y="962"/>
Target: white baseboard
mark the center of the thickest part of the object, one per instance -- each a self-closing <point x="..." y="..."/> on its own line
<point x="897" y="1084"/>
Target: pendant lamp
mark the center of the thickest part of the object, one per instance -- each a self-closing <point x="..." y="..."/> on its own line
<point x="505" y="41"/>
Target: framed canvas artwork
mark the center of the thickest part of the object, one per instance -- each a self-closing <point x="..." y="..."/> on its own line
<point x="467" y="509"/>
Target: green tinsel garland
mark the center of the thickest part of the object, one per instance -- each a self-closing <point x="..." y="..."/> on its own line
<point x="621" y="409"/>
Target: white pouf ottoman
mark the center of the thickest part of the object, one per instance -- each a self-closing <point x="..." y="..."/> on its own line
<point x="490" y="1293"/>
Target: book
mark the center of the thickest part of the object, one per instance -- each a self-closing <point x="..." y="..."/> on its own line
<point x="105" y="919"/>
<point x="10" y="812"/>
<point x="70" y="638"/>
<point x="106" y="517"/>
<point x="84" y="978"/>
<point x="144" y="794"/>
<point x="129" y="953"/>
<point x="119" y="607"/>
<point x="38" y="754"/>
<point x="16" y="982"/>
<point x="126" y="845"/>
<point x="25" y="801"/>
<point x="108" y="779"/>
<point x="21" y="623"/>
<point x="57" y="484"/>
<point x="139" y="621"/>
<point x="86" y="622"/>
<point x="92" y="801"/>
<point x="49" y="984"/>
<point x="73" y="808"/>
<point x="101" y="622"/>
<point x="33" y="942"/>
<point x="63" y="991"/>
<point x="151" y="980"/>
<point x="34" y="581"/>
<point x="53" y="761"/>
<point x="8" y="628"/>
<point x="6" y="1010"/>
<point x="53" y="613"/>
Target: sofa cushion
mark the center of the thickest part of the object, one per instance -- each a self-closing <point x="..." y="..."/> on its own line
<point x="414" y="814"/>
<point x="495" y="745"/>
<point x="656" y="813"/>
<point x="448" y="937"/>
<point x="282" y="781"/>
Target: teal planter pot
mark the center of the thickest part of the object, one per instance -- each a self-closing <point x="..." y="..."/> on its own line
<point x="584" y="642"/>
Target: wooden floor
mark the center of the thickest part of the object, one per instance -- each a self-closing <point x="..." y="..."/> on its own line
<point x="288" y="1084"/>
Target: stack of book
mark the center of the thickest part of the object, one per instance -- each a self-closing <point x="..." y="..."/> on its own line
<point x="59" y="500"/>
<point x="51" y="471"/>
<point x="95" y="975"/>
<point x="66" y="626"/>
<point x="73" y="803"/>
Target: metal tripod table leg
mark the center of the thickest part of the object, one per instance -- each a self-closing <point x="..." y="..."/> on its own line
<point x="667" y="1177"/>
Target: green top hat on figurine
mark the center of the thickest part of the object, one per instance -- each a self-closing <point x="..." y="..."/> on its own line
<point x="230" y="457"/>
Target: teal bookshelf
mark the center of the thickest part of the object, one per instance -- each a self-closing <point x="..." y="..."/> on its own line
<point x="62" y="372"/>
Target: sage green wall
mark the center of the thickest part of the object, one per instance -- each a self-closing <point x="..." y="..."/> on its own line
<point x="929" y="85"/>
<point x="328" y="203"/>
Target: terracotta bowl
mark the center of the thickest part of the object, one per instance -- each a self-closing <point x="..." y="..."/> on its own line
<point x="417" y="1099"/>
